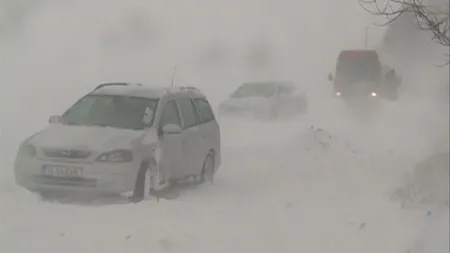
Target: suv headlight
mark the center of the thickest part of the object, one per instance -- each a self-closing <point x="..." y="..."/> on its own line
<point x="116" y="156"/>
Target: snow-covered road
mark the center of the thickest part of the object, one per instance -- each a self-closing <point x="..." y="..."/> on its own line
<point x="309" y="190"/>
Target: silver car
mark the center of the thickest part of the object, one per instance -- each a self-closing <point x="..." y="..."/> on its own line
<point x="265" y="100"/>
<point x="123" y="138"/>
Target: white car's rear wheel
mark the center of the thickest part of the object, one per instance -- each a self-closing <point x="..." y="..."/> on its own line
<point x="208" y="170"/>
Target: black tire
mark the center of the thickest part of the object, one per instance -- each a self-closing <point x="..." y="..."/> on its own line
<point x="208" y="170"/>
<point x="139" y="186"/>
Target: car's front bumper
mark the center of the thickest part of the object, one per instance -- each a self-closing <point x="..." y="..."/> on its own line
<point x="248" y="112"/>
<point x="102" y="178"/>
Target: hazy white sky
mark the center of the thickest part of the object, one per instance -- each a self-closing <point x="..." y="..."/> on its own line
<point x="66" y="47"/>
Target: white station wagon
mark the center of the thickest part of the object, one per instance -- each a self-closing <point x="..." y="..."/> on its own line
<point x="123" y="138"/>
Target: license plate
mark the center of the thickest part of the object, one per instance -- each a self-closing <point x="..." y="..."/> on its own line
<point x="61" y="171"/>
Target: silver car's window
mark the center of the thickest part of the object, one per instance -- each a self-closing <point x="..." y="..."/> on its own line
<point x="112" y="111"/>
<point x="170" y="114"/>
<point x="255" y="90"/>
<point x="188" y="112"/>
<point x="204" y="109"/>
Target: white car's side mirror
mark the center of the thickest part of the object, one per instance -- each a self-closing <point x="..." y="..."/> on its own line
<point x="54" y="119"/>
<point x="171" y="129"/>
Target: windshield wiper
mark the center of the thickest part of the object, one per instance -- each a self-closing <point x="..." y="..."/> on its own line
<point x="74" y="123"/>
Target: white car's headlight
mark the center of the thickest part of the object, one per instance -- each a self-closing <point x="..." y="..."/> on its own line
<point x="26" y="151"/>
<point x="374" y="94"/>
<point x="116" y="156"/>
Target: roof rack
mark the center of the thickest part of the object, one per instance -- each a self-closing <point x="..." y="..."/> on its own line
<point x="182" y="88"/>
<point x="189" y="88"/>
<point x="115" y="84"/>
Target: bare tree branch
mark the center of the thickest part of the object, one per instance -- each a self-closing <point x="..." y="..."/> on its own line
<point x="429" y="18"/>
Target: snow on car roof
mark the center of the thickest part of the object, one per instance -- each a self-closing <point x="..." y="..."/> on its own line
<point x="138" y="90"/>
<point x="357" y="54"/>
<point x="134" y="90"/>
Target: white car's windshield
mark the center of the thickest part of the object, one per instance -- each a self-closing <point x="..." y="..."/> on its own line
<point x="112" y="111"/>
<point x="255" y="90"/>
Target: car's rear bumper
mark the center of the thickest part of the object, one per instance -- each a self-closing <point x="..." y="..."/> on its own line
<point x="259" y="112"/>
<point x="235" y="113"/>
<point x="239" y="114"/>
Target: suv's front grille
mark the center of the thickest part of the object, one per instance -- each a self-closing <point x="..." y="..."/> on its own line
<point x="67" y="153"/>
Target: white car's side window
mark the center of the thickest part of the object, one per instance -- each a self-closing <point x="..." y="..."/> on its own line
<point x="205" y="110"/>
<point x="170" y="114"/>
<point x="188" y="112"/>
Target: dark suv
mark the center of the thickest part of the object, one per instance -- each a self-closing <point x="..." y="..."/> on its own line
<point x="360" y="74"/>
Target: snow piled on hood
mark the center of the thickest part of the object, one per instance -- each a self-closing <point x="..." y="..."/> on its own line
<point x="99" y="139"/>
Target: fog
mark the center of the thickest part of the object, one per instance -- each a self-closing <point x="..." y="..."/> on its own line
<point x="61" y="49"/>
<point x="53" y="52"/>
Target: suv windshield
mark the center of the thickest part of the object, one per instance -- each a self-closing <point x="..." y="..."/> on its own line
<point x="112" y="111"/>
<point x="255" y="90"/>
<point x="358" y="66"/>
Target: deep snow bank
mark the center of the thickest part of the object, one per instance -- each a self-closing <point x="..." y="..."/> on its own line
<point x="428" y="185"/>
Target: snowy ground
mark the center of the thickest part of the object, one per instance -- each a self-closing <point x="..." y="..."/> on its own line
<point x="302" y="190"/>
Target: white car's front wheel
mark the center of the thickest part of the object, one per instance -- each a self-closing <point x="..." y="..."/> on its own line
<point x="142" y="185"/>
<point x="208" y="170"/>
<point x="148" y="181"/>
